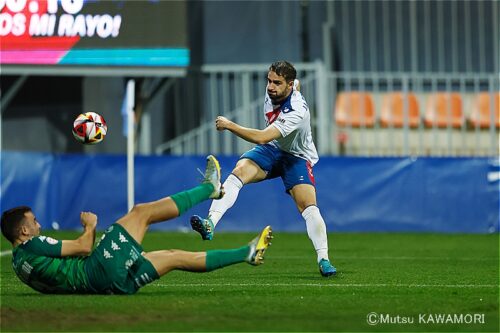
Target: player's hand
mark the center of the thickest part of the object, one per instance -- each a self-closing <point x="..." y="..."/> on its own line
<point x="88" y="219"/>
<point x="296" y="84"/>
<point x="222" y="123"/>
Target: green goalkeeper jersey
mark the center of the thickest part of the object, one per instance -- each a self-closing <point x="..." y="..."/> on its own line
<point x="38" y="263"/>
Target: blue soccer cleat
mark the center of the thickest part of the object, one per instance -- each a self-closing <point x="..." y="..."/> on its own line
<point x="204" y="227"/>
<point x="326" y="268"/>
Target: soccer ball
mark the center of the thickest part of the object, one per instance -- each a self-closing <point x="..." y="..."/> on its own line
<point x="89" y="128"/>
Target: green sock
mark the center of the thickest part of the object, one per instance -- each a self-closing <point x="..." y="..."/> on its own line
<point x="187" y="199"/>
<point x="222" y="258"/>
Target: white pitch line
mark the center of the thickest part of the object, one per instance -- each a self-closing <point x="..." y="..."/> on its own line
<point x="343" y="285"/>
<point x="6" y="252"/>
<point x="391" y="258"/>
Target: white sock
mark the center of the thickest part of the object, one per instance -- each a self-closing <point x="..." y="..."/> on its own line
<point x="316" y="230"/>
<point x="232" y="187"/>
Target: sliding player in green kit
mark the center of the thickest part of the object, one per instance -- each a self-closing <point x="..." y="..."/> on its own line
<point x="118" y="265"/>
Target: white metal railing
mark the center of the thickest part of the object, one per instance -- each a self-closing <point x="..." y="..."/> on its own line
<point x="237" y="92"/>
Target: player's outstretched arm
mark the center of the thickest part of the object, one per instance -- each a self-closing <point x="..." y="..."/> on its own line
<point x="81" y="246"/>
<point x="249" y="134"/>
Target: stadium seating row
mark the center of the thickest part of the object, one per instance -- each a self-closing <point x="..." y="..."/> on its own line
<point x="443" y="109"/>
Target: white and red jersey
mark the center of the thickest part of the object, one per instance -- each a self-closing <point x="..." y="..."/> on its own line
<point x="293" y="119"/>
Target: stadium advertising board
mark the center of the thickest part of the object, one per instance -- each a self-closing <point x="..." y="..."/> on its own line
<point x="93" y="33"/>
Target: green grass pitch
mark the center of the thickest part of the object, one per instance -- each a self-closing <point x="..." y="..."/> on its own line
<point x="405" y="275"/>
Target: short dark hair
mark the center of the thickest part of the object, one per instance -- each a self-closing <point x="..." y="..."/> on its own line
<point x="285" y="69"/>
<point x="12" y="220"/>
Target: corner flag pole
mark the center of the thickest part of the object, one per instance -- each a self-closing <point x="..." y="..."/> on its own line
<point x="130" y="142"/>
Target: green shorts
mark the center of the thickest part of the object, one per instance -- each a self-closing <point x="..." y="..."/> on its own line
<point x="116" y="266"/>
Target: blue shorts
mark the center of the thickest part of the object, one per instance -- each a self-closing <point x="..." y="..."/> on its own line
<point x="277" y="163"/>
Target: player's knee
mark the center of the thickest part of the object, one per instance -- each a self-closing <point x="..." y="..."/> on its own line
<point x="246" y="170"/>
<point x="170" y="253"/>
<point x="239" y="171"/>
<point x="174" y="257"/>
<point x="303" y="205"/>
<point x="141" y="212"/>
<point x="138" y="209"/>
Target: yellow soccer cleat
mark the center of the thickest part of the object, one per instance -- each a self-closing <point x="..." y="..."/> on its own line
<point x="212" y="176"/>
<point x="258" y="246"/>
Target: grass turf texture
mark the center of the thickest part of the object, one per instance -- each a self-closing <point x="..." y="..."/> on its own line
<point x="394" y="274"/>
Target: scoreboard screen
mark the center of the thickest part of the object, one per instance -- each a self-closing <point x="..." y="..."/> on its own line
<point x="122" y="33"/>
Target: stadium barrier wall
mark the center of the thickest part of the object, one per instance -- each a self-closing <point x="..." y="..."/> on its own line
<point x="451" y="195"/>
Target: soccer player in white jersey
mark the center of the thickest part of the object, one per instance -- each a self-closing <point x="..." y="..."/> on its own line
<point x="284" y="149"/>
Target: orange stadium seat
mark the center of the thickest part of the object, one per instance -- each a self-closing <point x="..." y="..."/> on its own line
<point x="393" y="110"/>
<point x="354" y="109"/>
<point x="481" y="107"/>
<point x="443" y="110"/>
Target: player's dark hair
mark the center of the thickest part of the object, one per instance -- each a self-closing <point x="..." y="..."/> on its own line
<point x="12" y="221"/>
<point x="285" y="69"/>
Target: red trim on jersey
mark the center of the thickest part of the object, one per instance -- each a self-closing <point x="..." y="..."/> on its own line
<point x="273" y="115"/>
<point x="310" y="172"/>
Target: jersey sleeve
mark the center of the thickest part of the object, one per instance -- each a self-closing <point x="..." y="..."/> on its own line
<point x="44" y="246"/>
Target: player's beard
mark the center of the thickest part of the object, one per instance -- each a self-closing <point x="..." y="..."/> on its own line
<point x="277" y="98"/>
